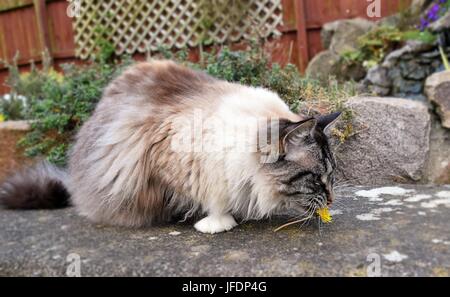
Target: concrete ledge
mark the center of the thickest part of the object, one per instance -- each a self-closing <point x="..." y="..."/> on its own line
<point x="405" y="228"/>
<point x="16" y="125"/>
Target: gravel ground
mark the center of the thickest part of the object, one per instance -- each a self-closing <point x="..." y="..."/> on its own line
<point x="396" y="231"/>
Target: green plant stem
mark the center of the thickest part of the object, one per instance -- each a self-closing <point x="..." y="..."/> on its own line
<point x="444" y="58"/>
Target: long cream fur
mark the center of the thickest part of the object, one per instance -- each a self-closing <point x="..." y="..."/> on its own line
<point x="138" y="159"/>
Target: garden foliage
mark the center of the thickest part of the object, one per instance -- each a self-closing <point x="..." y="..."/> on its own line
<point x="58" y="103"/>
<point x="376" y="44"/>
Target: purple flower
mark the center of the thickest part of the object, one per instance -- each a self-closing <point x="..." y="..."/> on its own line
<point x="436" y="7"/>
<point x="433" y="14"/>
<point x="423" y="24"/>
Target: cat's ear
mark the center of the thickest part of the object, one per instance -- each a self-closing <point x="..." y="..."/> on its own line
<point x="325" y="122"/>
<point x="296" y="133"/>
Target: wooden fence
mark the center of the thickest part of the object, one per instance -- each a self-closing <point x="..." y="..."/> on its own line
<point x="28" y="27"/>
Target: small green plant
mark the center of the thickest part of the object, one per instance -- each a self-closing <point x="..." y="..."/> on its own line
<point x="376" y="44"/>
<point x="59" y="103"/>
<point x="12" y="107"/>
<point x="303" y="94"/>
<point x="252" y="67"/>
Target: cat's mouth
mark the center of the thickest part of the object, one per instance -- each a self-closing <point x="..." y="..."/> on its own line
<point x="304" y="208"/>
<point x="322" y="213"/>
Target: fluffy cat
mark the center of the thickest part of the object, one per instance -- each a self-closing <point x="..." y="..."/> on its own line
<point x="166" y="141"/>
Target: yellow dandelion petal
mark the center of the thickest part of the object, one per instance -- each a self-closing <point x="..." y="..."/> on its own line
<point x="2" y="118"/>
<point x="324" y="215"/>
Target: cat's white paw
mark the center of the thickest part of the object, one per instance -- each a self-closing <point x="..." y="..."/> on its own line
<point x="215" y="224"/>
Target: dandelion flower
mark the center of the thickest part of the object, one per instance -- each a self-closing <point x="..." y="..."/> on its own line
<point x="324" y="215"/>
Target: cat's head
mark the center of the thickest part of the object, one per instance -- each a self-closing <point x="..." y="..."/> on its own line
<point x="304" y="169"/>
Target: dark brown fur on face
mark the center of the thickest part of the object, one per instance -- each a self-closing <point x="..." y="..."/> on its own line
<point x="306" y="164"/>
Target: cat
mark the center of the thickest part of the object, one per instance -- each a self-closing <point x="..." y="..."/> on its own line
<point x="167" y="141"/>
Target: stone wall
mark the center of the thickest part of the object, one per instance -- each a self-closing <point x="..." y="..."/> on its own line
<point x="404" y="71"/>
<point x="397" y="139"/>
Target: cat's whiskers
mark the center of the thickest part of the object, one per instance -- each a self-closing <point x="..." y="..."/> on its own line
<point x="313" y="211"/>
<point x="344" y="182"/>
<point x="320" y="226"/>
<point x="338" y="203"/>
<point x="310" y="213"/>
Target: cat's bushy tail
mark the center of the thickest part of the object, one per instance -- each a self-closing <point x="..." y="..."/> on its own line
<point x="37" y="187"/>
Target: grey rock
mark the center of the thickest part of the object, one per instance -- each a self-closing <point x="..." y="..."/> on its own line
<point x="342" y="35"/>
<point x="390" y="21"/>
<point x="379" y="76"/>
<point x="403" y="86"/>
<point x="431" y="54"/>
<point x="350" y="71"/>
<point x="392" y="58"/>
<point x="391" y="142"/>
<point x="418" y="97"/>
<point x="323" y="65"/>
<point x="379" y="91"/>
<point x="37" y="243"/>
<point x="437" y="89"/>
<point x="438" y="169"/>
<point x="412" y="46"/>
<point x="327" y="63"/>
<point x="417" y="46"/>
<point x="407" y="57"/>
<point x="436" y="64"/>
<point x="428" y="64"/>
<point x="413" y="70"/>
<point x="326" y="34"/>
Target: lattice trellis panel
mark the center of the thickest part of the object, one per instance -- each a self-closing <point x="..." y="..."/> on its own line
<point x="143" y="26"/>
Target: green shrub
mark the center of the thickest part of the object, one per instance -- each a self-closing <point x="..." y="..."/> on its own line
<point x="60" y="103"/>
<point x="376" y="44"/>
<point x="12" y="107"/>
<point x="252" y="67"/>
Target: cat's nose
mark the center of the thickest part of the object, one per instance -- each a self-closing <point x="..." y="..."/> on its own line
<point x="330" y="197"/>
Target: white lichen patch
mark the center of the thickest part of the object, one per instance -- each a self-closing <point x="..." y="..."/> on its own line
<point x="174" y="233"/>
<point x="394" y="202"/>
<point x="335" y="212"/>
<point x="368" y="217"/>
<point x="421" y="213"/>
<point x="440" y="241"/>
<point x="443" y="194"/>
<point x="374" y="194"/>
<point x="436" y="202"/>
<point x="417" y="198"/>
<point x="152" y="238"/>
<point x="374" y="215"/>
<point x="395" y="257"/>
<point x="381" y="210"/>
